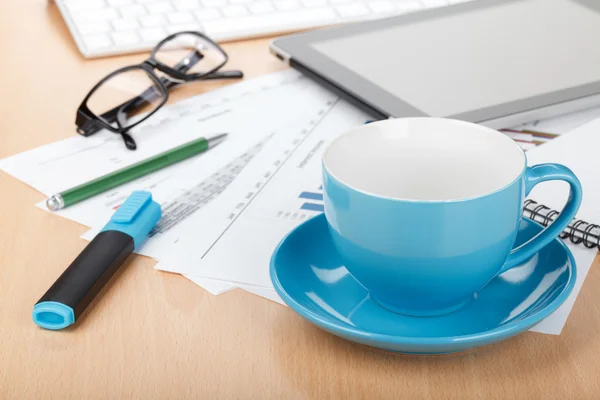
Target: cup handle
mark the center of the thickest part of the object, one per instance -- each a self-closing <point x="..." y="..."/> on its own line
<point x="538" y="174"/>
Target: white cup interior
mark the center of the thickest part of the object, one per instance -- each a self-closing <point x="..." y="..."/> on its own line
<point x="424" y="159"/>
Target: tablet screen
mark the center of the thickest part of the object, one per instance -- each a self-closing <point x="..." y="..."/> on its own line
<point x="438" y="65"/>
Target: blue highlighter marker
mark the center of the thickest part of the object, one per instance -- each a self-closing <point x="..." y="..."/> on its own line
<point x="75" y="289"/>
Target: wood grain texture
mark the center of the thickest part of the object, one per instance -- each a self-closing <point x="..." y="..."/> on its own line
<point x="153" y="335"/>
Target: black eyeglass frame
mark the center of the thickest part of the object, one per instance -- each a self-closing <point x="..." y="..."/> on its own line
<point x="89" y="123"/>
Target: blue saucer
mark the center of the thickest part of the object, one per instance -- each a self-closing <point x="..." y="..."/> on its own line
<point x="308" y="275"/>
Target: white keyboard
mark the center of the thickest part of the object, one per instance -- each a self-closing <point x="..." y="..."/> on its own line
<point x="107" y="27"/>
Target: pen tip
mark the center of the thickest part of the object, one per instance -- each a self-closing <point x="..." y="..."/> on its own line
<point x="215" y="140"/>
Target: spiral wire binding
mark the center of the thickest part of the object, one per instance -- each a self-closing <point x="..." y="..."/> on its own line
<point x="577" y="232"/>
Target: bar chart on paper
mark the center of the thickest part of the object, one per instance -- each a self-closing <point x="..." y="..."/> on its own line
<point x="305" y="205"/>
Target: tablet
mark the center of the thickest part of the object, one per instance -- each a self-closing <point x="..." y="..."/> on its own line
<point x="497" y="62"/>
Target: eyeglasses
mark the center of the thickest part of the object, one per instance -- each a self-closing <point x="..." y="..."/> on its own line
<point x="130" y="95"/>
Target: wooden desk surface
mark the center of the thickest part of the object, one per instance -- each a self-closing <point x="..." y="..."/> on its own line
<point x="155" y="335"/>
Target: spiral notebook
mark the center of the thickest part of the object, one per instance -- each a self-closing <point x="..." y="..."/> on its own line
<point x="579" y="150"/>
<point x="578" y="231"/>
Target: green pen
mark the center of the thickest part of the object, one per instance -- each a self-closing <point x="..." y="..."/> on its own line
<point x="127" y="174"/>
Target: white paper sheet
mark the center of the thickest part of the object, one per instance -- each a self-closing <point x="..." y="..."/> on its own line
<point x="216" y="287"/>
<point x="246" y="224"/>
<point x="268" y="294"/>
<point x="212" y="286"/>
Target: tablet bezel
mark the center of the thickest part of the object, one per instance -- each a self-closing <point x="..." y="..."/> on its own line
<point x="297" y="50"/>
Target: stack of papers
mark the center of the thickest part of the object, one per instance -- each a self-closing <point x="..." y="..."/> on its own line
<point x="225" y="211"/>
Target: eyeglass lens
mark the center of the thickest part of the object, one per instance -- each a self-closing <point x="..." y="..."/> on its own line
<point x="190" y="53"/>
<point x="126" y="98"/>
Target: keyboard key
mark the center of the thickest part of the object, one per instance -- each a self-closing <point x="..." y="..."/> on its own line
<point x="261" y="7"/>
<point x="314" y="3"/>
<point x="125" y="38"/>
<point x="152" y="21"/>
<point x="382" y="6"/>
<point x="207" y="14"/>
<point x="79" y="5"/>
<point x="133" y="10"/>
<point x="214" y="3"/>
<point x="184" y="27"/>
<point x="234" y="11"/>
<point x="180" y="18"/>
<point x="406" y="6"/>
<point x="353" y="10"/>
<point x="124" y="24"/>
<point x="434" y="3"/>
<point x="153" y="35"/>
<point x="159" y="8"/>
<point x="287" y="5"/>
<point x="92" y="28"/>
<point x="185" y="5"/>
<point x="106" y="14"/>
<point x="236" y="27"/>
<point x="119" y="3"/>
<point x="96" y="42"/>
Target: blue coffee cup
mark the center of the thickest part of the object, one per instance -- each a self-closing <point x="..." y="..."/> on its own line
<point x="425" y="211"/>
